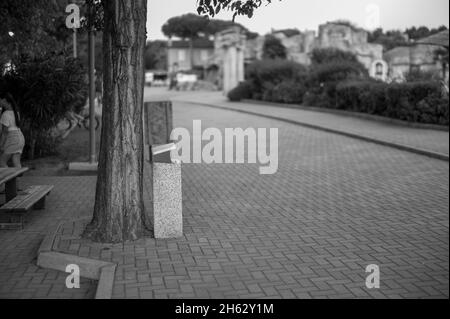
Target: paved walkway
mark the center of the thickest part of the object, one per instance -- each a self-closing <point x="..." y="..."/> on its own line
<point x="423" y="139"/>
<point x="335" y="206"/>
<point x="72" y="197"/>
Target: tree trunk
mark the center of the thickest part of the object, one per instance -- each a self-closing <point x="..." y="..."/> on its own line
<point x="119" y="208"/>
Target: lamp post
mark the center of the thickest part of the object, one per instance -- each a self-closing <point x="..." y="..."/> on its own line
<point x="73" y="22"/>
<point x="91" y="12"/>
<point x="16" y="46"/>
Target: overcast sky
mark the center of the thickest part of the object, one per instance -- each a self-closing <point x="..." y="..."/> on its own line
<point x="308" y="14"/>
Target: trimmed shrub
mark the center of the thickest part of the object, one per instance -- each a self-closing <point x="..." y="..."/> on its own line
<point x="275" y="71"/>
<point x="420" y="102"/>
<point x="289" y="92"/>
<point x="241" y="92"/>
<point x="321" y="56"/>
<point x="362" y="96"/>
<point x="421" y="76"/>
<point x="265" y="75"/>
<point x="337" y="71"/>
<point x="324" y="78"/>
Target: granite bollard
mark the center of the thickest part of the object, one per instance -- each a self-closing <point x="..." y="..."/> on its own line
<point x="167" y="194"/>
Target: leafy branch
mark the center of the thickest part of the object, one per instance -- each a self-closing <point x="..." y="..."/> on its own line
<point x="239" y="7"/>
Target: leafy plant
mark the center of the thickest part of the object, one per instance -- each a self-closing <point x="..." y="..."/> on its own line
<point x="274" y="72"/>
<point x="328" y="55"/>
<point x="289" y="92"/>
<point x="239" y="7"/>
<point x="243" y="91"/>
<point x="420" y="102"/>
<point x="273" y="48"/>
<point x="45" y="90"/>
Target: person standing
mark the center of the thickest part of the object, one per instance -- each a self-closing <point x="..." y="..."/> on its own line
<point x="12" y="140"/>
<point x="173" y="82"/>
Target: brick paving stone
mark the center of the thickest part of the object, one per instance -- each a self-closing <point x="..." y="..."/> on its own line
<point x="19" y="275"/>
<point x="425" y="139"/>
<point x="335" y="206"/>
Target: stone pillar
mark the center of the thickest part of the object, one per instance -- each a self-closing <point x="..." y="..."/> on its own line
<point x="240" y="65"/>
<point x="231" y="44"/>
<point x="232" y="66"/>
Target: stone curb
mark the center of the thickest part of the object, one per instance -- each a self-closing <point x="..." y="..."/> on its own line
<point x="435" y="155"/>
<point x="364" y="116"/>
<point x="103" y="272"/>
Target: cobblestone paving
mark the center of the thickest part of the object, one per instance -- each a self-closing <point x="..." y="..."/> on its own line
<point x="19" y="276"/>
<point x="425" y="139"/>
<point x="335" y="206"/>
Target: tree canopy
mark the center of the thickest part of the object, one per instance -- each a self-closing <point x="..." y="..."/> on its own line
<point x="31" y="27"/>
<point x="186" y="26"/>
<point x="193" y="26"/>
<point x="156" y="55"/>
<point x="239" y="7"/>
<point x="273" y="48"/>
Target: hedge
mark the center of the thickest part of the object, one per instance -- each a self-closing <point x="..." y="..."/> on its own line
<point x="338" y="81"/>
<point x="273" y="81"/>
<point x="242" y="91"/>
<point x="420" y="102"/>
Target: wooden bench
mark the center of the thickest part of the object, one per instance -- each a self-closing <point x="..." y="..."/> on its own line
<point x="31" y="198"/>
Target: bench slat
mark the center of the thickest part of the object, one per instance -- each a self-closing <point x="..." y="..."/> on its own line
<point x="38" y="194"/>
<point x="7" y="174"/>
<point x="21" y="197"/>
<point x="24" y="202"/>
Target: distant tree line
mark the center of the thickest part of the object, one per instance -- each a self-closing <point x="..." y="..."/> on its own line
<point x="394" y="38"/>
<point x="192" y="26"/>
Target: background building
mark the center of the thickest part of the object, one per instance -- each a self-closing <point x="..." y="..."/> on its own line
<point x="186" y="57"/>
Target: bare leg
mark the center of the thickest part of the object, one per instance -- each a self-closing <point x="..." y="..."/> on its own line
<point x="4" y="158"/>
<point x="3" y="164"/>
<point x="17" y="164"/>
<point x="16" y="160"/>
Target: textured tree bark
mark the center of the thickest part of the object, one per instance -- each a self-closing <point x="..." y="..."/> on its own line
<point x="119" y="208"/>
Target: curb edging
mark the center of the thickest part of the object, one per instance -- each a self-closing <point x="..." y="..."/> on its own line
<point x="353" y="114"/>
<point x="402" y="147"/>
<point x="103" y="272"/>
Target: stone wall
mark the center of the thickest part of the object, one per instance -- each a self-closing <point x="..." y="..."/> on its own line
<point x="402" y="60"/>
<point x="331" y="35"/>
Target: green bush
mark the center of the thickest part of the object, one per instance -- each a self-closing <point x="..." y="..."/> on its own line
<point x="275" y="72"/>
<point x="421" y="76"/>
<point x="362" y="96"/>
<point x="337" y="80"/>
<point x="273" y="48"/>
<point x="45" y="90"/>
<point x="327" y="55"/>
<point x="266" y="77"/>
<point x="419" y="102"/>
<point x="241" y="92"/>
<point x="337" y="71"/>
<point x="289" y="92"/>
<point x="324" y="78"/>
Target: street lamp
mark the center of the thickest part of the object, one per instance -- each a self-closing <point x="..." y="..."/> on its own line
<point x="73" y="22"/>
<point x="16" y="45"/>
